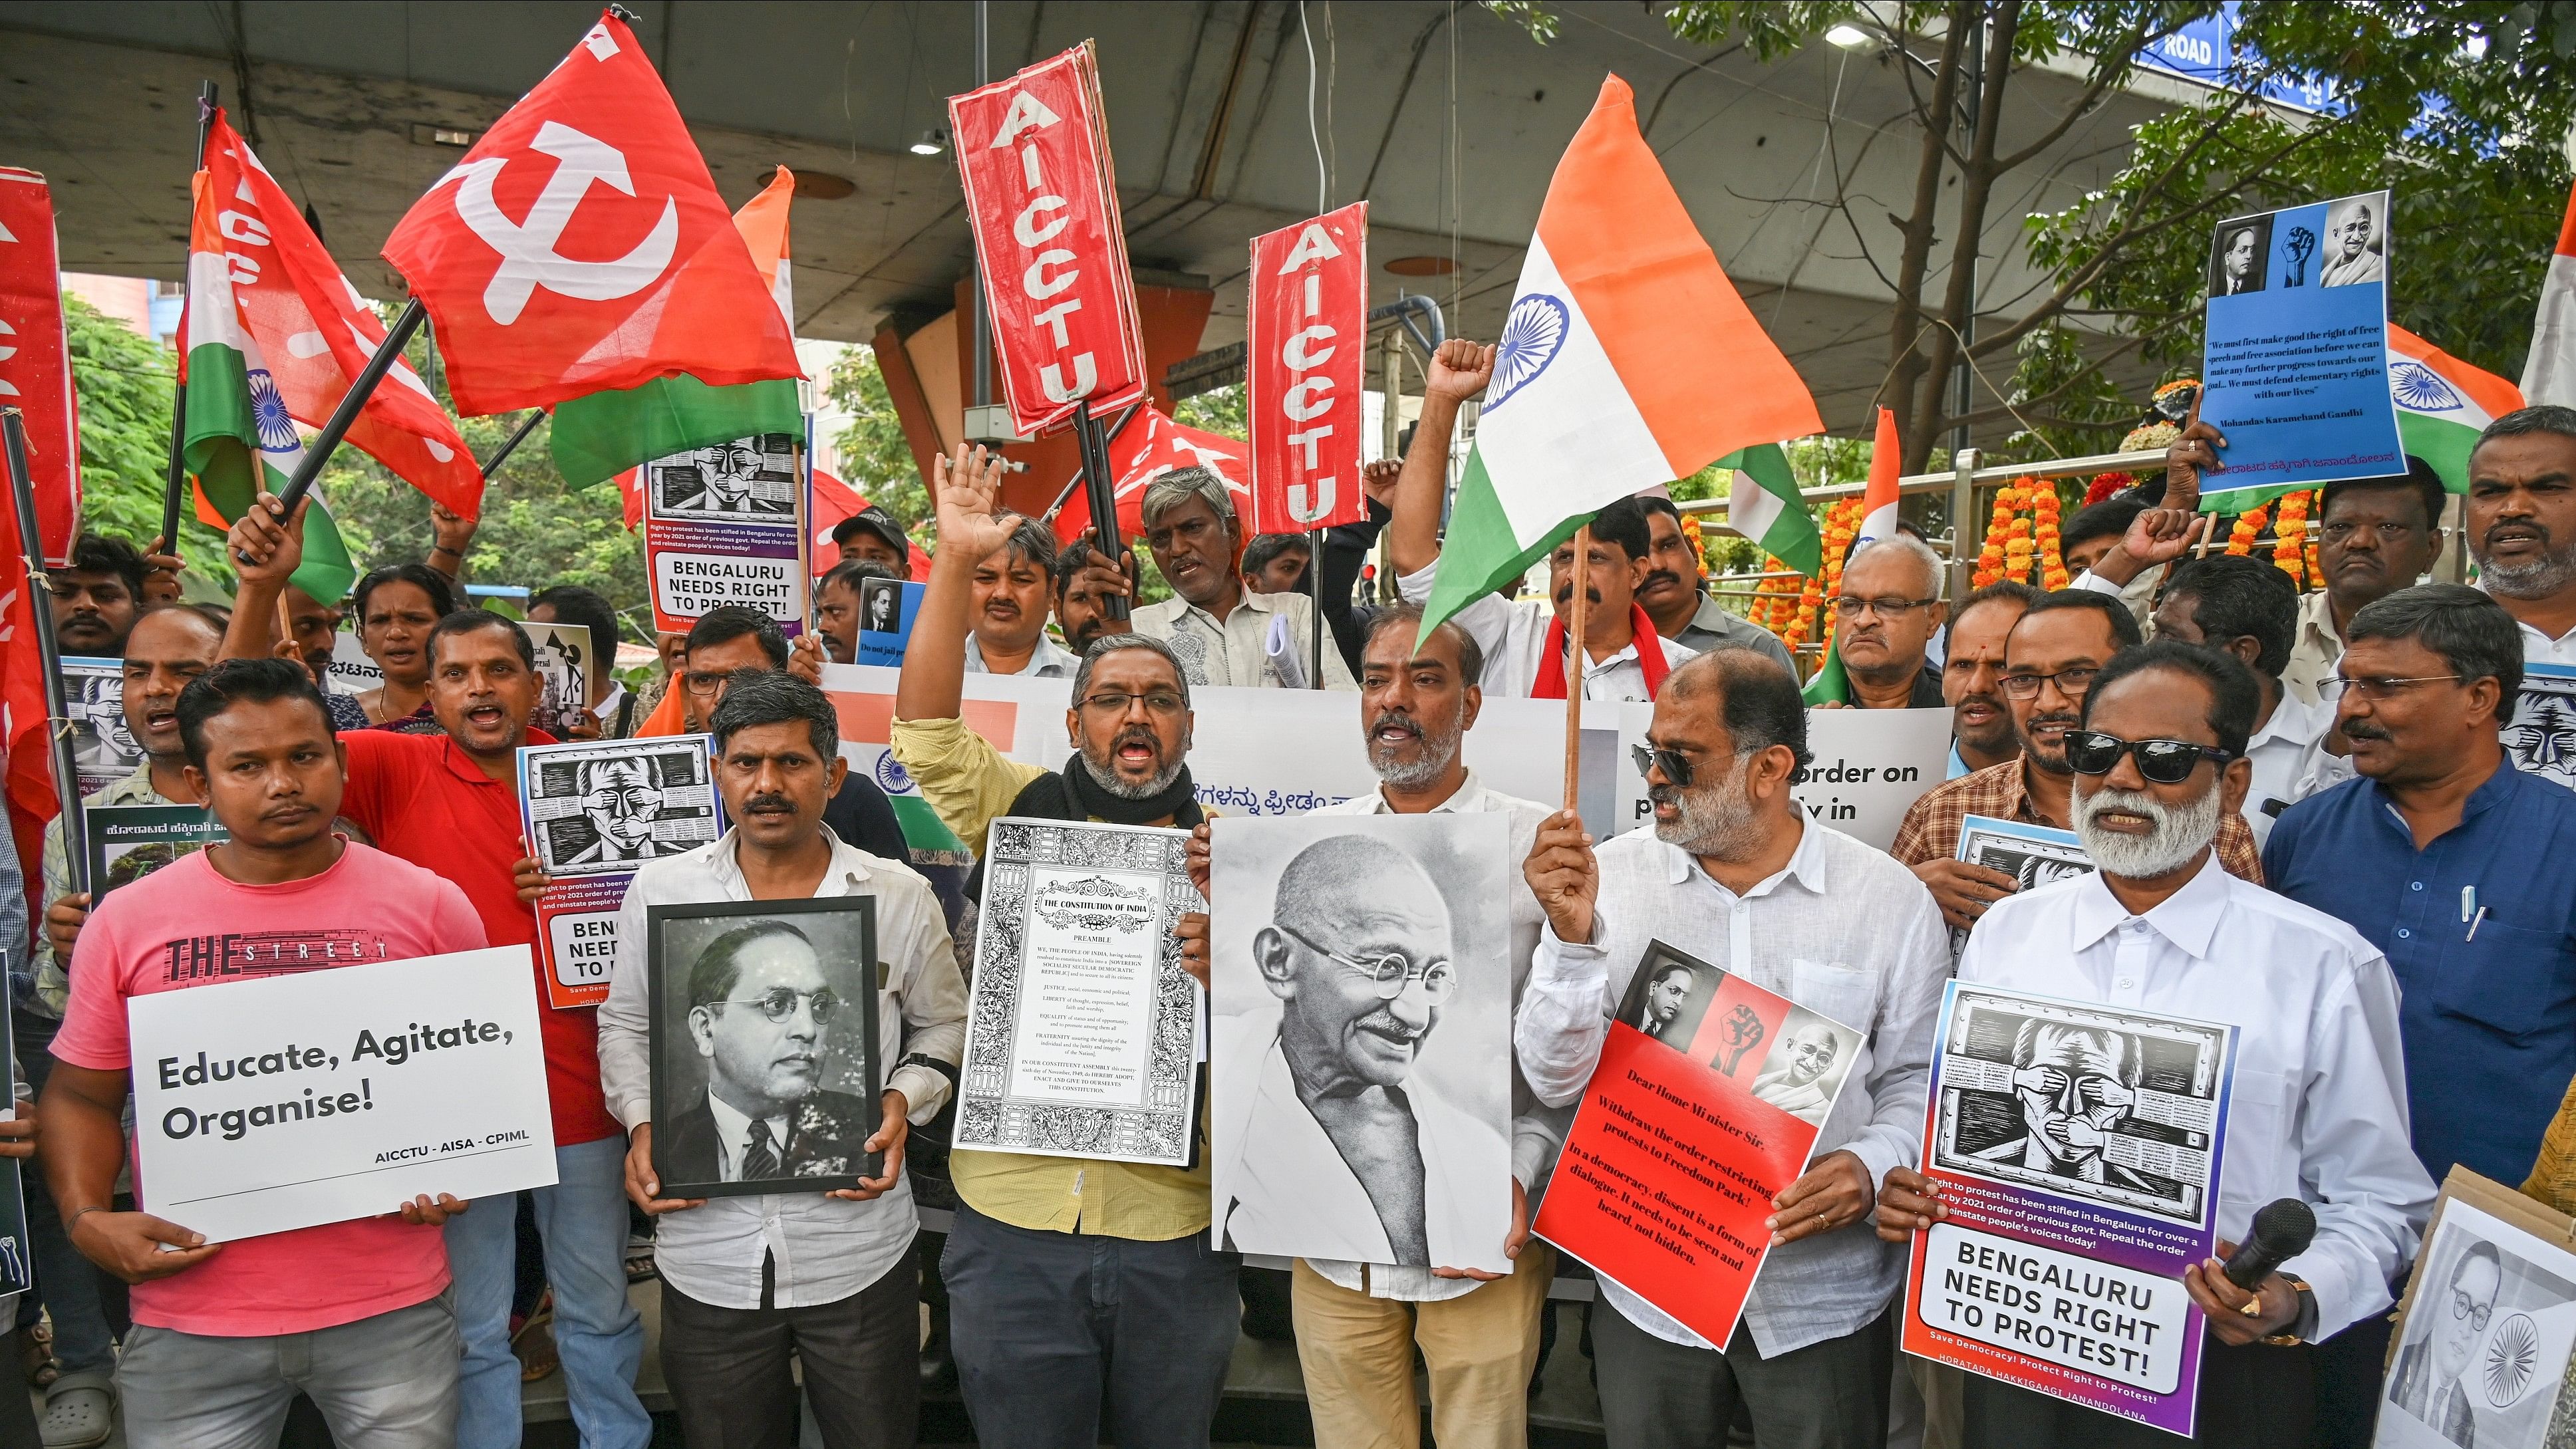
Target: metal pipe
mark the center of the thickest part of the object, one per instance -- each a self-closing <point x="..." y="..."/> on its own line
<point x="49" y="654"/>
<point x="176" y="485"/>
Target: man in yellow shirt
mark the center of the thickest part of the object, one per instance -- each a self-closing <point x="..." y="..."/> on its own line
<point x="1068" y="1277"/>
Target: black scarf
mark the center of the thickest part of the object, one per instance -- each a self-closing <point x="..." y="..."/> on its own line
<point x="1072" y="794"/>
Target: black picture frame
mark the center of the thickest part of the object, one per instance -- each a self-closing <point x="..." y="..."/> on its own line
<point x="684" y="1155"/>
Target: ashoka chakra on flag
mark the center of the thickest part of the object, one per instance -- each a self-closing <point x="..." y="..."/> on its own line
<point x="1531" y="336"/>
<point x="2420" y="388"/>
<point x="268" y="413"/>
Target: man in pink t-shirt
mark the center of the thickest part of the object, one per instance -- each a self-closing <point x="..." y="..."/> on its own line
<point x="357" y="1314"/>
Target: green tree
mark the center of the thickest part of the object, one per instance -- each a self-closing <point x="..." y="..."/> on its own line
<point x="123" y="383"/>
<point x="875" y="457"/>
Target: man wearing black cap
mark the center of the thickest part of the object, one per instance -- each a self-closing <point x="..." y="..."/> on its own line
<point x="872" y="536"/>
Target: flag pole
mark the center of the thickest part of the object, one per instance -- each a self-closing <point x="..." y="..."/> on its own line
<point x="49" y="654"/>
<point x="511" y="445"/>
<point x="1102" y="492"/>
<point x="1576" y="660"/>
<point x="1315" y="582"/>
<point x="176" y="484"/>
<point x="319" y="450"/>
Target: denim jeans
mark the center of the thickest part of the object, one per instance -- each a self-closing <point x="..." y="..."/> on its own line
<point x="1044" y="1322"/>
<point x="387" y="1382"/>
<point x="71" y="1287"/>
<point x="598" y="1333"/>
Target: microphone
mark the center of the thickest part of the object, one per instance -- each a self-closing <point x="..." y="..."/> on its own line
<point x="2282" y="1231"/>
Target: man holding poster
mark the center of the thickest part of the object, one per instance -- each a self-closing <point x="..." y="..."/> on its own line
<point x="363" y="1305"/>
<point x="1734" y="867"/>
<point x="2318" y="1110"/>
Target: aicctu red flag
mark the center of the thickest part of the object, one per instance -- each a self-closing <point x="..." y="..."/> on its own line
<point x="581" y="247"/>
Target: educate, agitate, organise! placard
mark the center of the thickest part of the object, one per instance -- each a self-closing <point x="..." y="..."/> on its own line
<point x="321" y="1096"/>
<point x="2294" y="367"/>
<point x="2078" y="1147"/>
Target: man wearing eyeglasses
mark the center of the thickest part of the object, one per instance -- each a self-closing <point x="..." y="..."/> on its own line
<point x="2462" y="869"/>
<point x="1734" y="869"/>
<point x="2319" y="1106"/>
<point x="827" y="1275"/>
<point x="1884" y="622"/>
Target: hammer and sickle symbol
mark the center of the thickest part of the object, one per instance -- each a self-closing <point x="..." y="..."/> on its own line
<point x="528" y="256"/>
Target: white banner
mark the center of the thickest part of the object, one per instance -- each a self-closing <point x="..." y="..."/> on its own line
<point x="339" y="1093"/>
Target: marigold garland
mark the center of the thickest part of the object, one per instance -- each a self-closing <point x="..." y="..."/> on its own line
<point x="2290" y="542"/>
<point x="2015" y="544"/>
<point x="1841" y="525"/>
<point x="2240" y="539"/>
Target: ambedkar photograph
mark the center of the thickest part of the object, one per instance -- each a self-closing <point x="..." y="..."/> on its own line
<point x="1360" y="1049"/>
<point x="2482" y="1347"/>
<point x="764" y="1037"/>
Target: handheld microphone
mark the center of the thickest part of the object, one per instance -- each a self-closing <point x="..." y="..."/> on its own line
<point x="2282" y="1231"/>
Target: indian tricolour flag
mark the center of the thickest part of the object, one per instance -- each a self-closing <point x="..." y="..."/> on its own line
<point x="2549" y="370"/>
<point x="2442" y="404"/>
<point x="1627" y="360"/>
<point x="1763" y="504"/>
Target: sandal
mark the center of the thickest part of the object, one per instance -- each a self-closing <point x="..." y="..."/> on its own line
<point x="534" y="1343"/>
<point x="36" y="1356"/>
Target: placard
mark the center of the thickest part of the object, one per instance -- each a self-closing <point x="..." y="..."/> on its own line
<point x="1082" y="1037"/>
<point x="2078" y="1148"/>
<point x="766" y="1075"/>
<point x="17" y="1264"/>
<point x="1705" y="1106"/>
<point x="350" y="666"/>
<point x="2541" y="736"/>
<point x="887" y="611"/>
<point x="129" y="842"/>
<point x="563" y="676"/>
<point x="593" y="811"/>
<point x="104" y="751"/>
<point x="724" y="525"/>
<point x="2480" y="1353"/>
<point x="320" y="1096"/>
<point x="2294" y="365"/>
<point x="2033" y="855"/>
<point x="1868" y="767"/>
<point x="1306" y="333"/>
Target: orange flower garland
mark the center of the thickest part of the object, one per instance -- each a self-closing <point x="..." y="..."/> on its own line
<point x="2044" y="508"/>
<point x="1990" y="556"/>
<point x="1775" y="600"/>
<point x="1842" y="523"/>
<point x="2290" y="544"/>
<point x="2014" y="544"/>
<point x="2240" y="539"/>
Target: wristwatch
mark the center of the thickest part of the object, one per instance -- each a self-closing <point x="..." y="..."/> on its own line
<point x="2305" y="1324"/>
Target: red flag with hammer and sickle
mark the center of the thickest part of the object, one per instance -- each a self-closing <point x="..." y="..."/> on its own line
<point x="581" y="246"/>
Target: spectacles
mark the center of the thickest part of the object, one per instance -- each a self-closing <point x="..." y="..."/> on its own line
<point x="1162" y="702"/>
<point x="2163" y="762"/>
<point x="779" y="1003"/>
<point x="1388" y="973"/>
<point x="2069" y="682"/>
<point x="2463" y="1306"/>
<point x="707" y="681"/>
<point x="1675" y="765"/>
<point x="1849" y="607"/>
<point x="2380" y="688"/>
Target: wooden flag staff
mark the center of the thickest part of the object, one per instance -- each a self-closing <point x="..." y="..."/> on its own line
<point x="49" y="655"/>
<point x="175" y="486"/>
<point x="1576" y="662"/>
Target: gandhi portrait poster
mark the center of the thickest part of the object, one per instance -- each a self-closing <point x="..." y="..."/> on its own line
<point x="1706" y="1105"/>
<point x="2078" y="1146"/>
<point x="1082" y="1032"/>
<point x="593" y="811"/>
<point x="1359" y="1055"/>
<point x="2483" y="1335"/>
<point x="766" y="1070"/>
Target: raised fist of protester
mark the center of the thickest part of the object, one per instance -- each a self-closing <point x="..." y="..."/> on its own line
<point x="888" y="1139"/>
<point x="805" y="659"/>
<point x="2275" y="1302"/>
<point x="450" y="533"/>
<point x="1377" y="480"/>
<point x="1963" y="889"/>
<point x="1829" y="1195"/>
<point x="1459" y="370"/>
<point x="968" y="487"/>
<point x="1564" y="876"/>
<point x="2189" y="456"/>
<point x="18" y="1132"/>
<point x="1100" y="575"/>
<point x="129" y="1244"/>
<point x="1198" y="858"/>
<point x="161" y="574"/>
<point x="1513" y="1241"/>
<point x="266" y="548"/>
<point x="1908" y="1203"/>
<point x="1192" y="932"/>
<point x="2156" y="537"/>
<point x="643" y="1184"/>
<point x="425" y="1211"/>
<point x="63" y="920"/>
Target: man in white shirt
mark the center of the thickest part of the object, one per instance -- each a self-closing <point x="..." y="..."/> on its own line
<point x="1734" y="869"/>
<point x="2520" y="520"/>
<point x="1623" y="657"/>
<point x="828" y="1276"/>
<point x="1222" y="632"/>
<point x="1358" y="1324"/>
<point x="2249" y="609"/>
<point x="2318" y="1110"/>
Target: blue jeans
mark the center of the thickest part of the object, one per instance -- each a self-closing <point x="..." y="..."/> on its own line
<point x="598" y="1334"/>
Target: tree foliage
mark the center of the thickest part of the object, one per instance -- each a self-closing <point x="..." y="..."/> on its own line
<point x="875" y="458"/>
<point x="122" y="382"/>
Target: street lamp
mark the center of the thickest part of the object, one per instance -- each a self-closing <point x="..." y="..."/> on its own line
<point x="1848" y="36"/>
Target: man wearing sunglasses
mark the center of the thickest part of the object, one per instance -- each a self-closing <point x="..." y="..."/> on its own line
<point x="1735" y="870"/>
<point x="2319" y="1105"/>
<point x="828" y="1274"/>
<point x="2461" y="867"/>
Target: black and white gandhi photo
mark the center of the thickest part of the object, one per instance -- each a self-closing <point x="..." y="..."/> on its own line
<point x="749" y="478"/>
<point x="1807" y="1065"/>
<point x="2356" y="244"/>
<point x="2114" y="1107"/>
<point x="764" y="1039"/>
<point x="1360" y="1054"/>
<point x="1668" y="996"/>
<point x="2032" y="855"/>
<point x="2482" y="1347"/>
<point x="2541" y="737"/>
<point x="2238" y="254"/>
<point x="604" y="806"/>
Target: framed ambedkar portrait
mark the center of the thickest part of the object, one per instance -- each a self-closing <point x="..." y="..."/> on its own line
<point x="766" y="1069"/>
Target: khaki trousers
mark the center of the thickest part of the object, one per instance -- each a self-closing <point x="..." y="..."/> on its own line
<point x="1357" y="1355"/>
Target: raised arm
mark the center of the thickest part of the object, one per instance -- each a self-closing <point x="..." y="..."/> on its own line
<point x="266" y="548"/>
<point x="1459" y="371"/>
<point x="968" y="489"/>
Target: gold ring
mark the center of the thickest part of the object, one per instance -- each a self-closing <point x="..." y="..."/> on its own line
<point x="2253" y="1307"/>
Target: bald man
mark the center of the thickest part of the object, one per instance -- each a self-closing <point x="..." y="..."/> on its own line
<point x="1356" y="1157"/>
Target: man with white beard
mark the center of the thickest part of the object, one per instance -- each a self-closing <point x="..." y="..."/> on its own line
<point x="1735" y="871"/>
<point x="2319" y="1105"/>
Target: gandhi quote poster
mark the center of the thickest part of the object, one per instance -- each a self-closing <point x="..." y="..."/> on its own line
<point x="1361" y="1044"/>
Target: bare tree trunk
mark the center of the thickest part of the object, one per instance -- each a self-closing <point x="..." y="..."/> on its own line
<point x="1905" y="358"/>
<point x="1933" y="405"/>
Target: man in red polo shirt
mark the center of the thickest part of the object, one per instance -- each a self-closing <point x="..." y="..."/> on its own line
<point x="449" y="802"/>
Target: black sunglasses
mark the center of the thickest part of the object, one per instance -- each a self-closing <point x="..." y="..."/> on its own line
<point x="2163" y="762"/>
<point x="1675" y="767"/>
